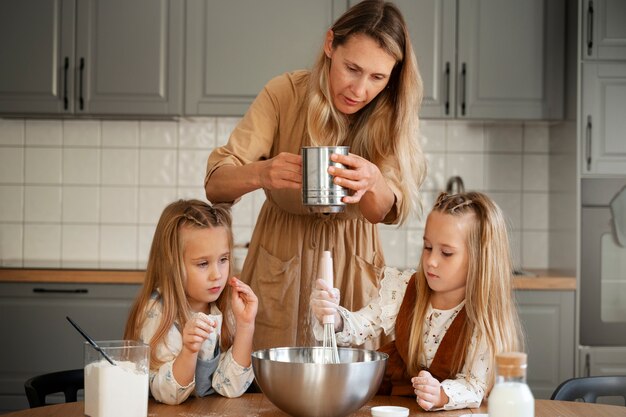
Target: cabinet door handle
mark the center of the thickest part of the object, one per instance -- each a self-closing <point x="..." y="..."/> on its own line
<point x="447" y="82"/>
<point x="463" y="88"/>
<point x="590" y="28"/>
<point x="66" y="67"/>
<point x="587" y="365"/>
<point x="588" y="142"/>
<point x="80" y="84"/>
<point x="60" y="291"/>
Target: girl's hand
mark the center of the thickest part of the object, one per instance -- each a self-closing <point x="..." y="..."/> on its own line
<point x="282" y="171"/>
<point x="360" y="175"/>
<point x="244" y="303"/>
<point x="324" y="302"/>
<point x="428" y="391"/>
<point x="196" y="331"/>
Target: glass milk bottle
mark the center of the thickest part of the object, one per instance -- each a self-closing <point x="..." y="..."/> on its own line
<point x="510" y="396"/>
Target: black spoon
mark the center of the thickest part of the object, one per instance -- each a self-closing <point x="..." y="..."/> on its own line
<point x="90" y="340"/>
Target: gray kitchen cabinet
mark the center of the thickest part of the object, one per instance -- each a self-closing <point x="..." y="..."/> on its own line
<point x="233" y="48"/>
<point x="92" y="57"/>
<point x="602" y="121"/>
<point x="37" y="55"/>
<point x="489" y="59"/>
<point x="548" y="320"/>
<point x="603" y="31"/>
<point x="36" y="337"/>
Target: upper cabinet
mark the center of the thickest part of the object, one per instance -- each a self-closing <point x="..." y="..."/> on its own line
<point x="602" y="121"/>
<point x="603" y="31"/>
<point x="489" y="59"/>
<point x="233" y="48"/>
<point x="91" y="57"/>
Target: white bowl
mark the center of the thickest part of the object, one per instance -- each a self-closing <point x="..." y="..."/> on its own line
<point x="389" y="411"/>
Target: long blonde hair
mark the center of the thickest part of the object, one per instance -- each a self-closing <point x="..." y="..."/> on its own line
<point x="386" y="131"/>
<point x="489" y="302"/>
<point x="166" y="274"/>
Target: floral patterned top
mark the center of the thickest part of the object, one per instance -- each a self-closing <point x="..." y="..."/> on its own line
<point x="468" y="388"/>
<point x="229" y="379"/>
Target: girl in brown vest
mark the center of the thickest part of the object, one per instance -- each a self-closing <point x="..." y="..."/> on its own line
<point x="450" y="317"/>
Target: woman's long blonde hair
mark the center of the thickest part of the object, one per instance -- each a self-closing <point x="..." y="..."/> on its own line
<point x="166" y="272"/>
<point x="386" y="131"/>
<point x="489" y="302"/>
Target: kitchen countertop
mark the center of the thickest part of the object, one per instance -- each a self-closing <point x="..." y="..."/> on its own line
<point x="544" y="279"/>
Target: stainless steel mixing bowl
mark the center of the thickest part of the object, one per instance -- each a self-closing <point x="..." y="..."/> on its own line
<point x="296" y="380"/>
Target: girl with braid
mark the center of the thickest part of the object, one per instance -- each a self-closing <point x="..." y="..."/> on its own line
<point x="198" y="321"/>
<point x="450" y="317"/>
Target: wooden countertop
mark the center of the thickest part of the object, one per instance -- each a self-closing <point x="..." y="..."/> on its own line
<point x="542" y="280"/>
<point x="259" y="405"/>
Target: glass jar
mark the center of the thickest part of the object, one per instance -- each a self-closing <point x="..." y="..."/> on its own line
<point x="510" y="396"/>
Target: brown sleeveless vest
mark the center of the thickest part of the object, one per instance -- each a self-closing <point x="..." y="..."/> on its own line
<point x="397" y="381"/>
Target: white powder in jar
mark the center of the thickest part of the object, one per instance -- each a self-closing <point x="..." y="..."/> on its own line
<point x="115" y="391"/>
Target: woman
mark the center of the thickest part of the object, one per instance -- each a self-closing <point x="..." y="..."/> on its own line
<point x="364" y="91"/>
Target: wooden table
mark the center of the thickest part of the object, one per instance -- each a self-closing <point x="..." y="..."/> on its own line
<point x="258" y="405"/>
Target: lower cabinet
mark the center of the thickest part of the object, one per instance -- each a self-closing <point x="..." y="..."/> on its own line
<point x="548" y="318"/>
<point x="37" y="338"/>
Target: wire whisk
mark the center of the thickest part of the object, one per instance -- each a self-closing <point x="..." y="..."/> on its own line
<point x="329" y="345"/>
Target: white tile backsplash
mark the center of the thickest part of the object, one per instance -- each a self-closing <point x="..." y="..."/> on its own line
<point x="42" y="245"/>
<point x="80" y="246"/>
<point x="11" y="165"/>
<point x="470" y="166"/>
<point x="11" y="203"/>
<point x="44" y="132"/>
<point x="118" y="247"/>
<point x="42" y="204"/>
<point x="118" y="205"/>
<point x="535" y="172"/>
<point x="81" y="166"/>
<point x="157" y="167"/>
<point x="83" y="133"/>
<point x="120" y="166"/>
<point x="12" y="132"/>
<point x="116" y="134"/>
<point x="81" y="204"/>
<point x="159" y="134"/>
<point x="152" y="201"/>
<point x="503" y="172"/>
<point x="465" y="137"/>
<point x="192" y="167"/>
<point x="504" y="137"/>
<point x="88" y="193"/>
<point x="43" y="165"/>
<point x="200" y="133"/>
<point x="11" y="245"/>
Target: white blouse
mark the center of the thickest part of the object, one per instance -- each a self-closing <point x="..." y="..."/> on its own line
<point x="467" y="389"/>
<point x="229" y="379"/>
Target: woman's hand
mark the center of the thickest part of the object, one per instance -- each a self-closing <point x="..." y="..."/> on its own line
<point x="360" y="175"/>
<point x="244" y="303"/>
<point x="324" y="302"/>
<point x="196" y="331"/>
<point x="428" y="391"/>
<point x="282" y="171"/>
<point x="370" y="189"/>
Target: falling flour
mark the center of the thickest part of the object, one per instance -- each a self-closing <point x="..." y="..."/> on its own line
<point x="115" y="391"/>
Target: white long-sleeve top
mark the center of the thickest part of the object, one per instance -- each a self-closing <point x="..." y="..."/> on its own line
<point x="468" y="388"/>
<point x="229" y="379"/>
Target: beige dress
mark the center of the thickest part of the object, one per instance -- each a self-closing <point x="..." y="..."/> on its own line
<point x="287" y="243"/>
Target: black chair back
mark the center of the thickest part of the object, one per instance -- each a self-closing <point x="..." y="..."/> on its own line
<point x="590" y="388"/>
<point x="67" y="382"/>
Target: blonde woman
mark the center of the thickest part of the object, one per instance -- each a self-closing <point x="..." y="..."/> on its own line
<point x="451" y="317"/>
<point x="198" y="321"/>
<point x="364" y="91"/>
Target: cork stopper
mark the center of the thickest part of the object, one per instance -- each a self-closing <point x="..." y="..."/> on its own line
<point x="511" y="364"/>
